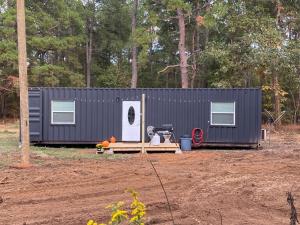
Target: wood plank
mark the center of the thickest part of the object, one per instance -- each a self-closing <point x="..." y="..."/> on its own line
<point x="161" y="150"/>
<point x="139" y="145"/>
<point x="126" y="149"/>
<point x="147" y="150"/>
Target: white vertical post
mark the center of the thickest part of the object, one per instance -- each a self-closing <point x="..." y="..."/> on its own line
<point x="143" y="123"/>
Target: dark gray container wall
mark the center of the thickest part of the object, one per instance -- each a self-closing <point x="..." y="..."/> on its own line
<point x="98" y="113"/>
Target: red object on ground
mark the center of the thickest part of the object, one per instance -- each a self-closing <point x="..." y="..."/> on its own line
<point x="113" y="139"/>
<point x="197" y="136"/>
<point x="105" y="144"/>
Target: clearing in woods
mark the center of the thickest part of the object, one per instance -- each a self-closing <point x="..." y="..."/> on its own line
<point x="71" y="186"/>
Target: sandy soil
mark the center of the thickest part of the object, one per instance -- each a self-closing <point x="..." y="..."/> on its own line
<point x="204" y="187"/>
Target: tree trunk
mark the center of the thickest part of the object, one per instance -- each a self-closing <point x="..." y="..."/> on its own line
<point x="276" y="86"/>
<point x="134" y="74"/>
<point x="4" y="108"/>
<point x="277" y="108"/>
<point x="182" y="50"/>
<point x="298" y="102"/>
<point x="194" y="65"/>
<point x="296" y="105"/>
<point x="22" y="59"/>
<point x="89" y="57"/>
<point x="167" y="80"/>
<point x="90" y="21"/>
<point x="195" y="47"/>
<point x="2" y="105"/>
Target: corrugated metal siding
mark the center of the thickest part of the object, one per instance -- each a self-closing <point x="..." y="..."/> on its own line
<point x="35" y="115"/>
<point x="99" y="113"/>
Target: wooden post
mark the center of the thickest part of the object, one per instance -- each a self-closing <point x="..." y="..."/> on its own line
<point x="22" y="59"/>
<point x="143" y="123"/>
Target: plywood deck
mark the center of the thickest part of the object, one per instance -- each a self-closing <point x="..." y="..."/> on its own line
<point x="137" y="147"/>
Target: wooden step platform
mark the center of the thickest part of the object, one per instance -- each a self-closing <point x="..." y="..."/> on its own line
<point x="137" y="147"/>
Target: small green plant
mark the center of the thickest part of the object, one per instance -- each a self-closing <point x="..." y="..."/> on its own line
<point x="119" y="215"/>
<point x="99" y="147"/>
<point x="138" y="210"/>
<point x="91" y="222"/>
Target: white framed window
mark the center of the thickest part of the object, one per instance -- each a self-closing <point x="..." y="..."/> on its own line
<point x="222" y="113"/>
<point x="62" y="112"/>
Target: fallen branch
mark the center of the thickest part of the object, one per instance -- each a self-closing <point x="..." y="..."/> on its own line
<point x="171" y="66"/>
<point x="294" y="217"/>
<point x="168" y="67"/>
<point x="4" y="180"/>
<point x="5" y="89"/>
<point x="163" y="188"/>
<point x="221" y="217"/>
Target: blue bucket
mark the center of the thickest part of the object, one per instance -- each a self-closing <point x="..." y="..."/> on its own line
<point x="186" y="144"/>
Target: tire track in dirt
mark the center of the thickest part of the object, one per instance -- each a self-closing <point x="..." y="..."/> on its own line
<point x="74" y="196"/>
<point x="89" y="196"/>
<point x="245" y="187"/>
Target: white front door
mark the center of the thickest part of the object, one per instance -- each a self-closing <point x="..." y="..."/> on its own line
<point x="131" y="121"/>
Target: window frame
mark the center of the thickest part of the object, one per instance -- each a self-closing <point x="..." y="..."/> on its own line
<point x="63" y="111"/>
<point x="222" y="124"/>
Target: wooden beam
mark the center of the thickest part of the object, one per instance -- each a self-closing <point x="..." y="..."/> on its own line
<point x="139" y="147"/>
<point x="143" y="123"/>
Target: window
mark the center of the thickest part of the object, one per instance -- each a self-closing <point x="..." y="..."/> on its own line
<point x="222" y="113"/>
<point x="131" y="115"/>
<point x="62" y="112"/>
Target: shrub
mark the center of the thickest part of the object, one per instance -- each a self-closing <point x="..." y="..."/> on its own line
<point x="119" y="215"/>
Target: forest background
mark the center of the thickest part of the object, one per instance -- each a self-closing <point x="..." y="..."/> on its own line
<point x="158" y="44"/>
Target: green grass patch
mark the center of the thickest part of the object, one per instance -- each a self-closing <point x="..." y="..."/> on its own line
<point x="8" y="142"/>
<point x="10" y="151"/>
<point x="72" y="153"/>
<point x="14" y="125"/>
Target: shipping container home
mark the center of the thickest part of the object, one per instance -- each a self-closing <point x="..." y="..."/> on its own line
<point x="88" y="115"/>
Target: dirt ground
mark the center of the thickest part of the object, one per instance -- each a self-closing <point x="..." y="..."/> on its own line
<point x="229" y="187"/>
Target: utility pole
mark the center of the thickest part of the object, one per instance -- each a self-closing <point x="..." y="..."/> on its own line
<point x="22" y="59"/>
